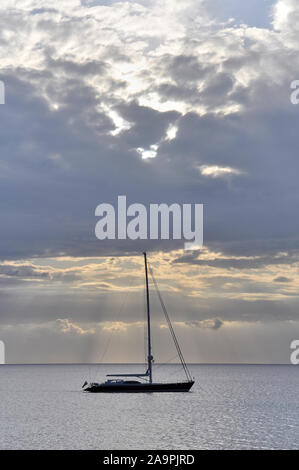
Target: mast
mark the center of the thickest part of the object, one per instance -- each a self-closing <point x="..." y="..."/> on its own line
<point x="149" y="345"/>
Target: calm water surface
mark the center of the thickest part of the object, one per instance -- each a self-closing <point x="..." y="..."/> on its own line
<point x="230" y="407"/>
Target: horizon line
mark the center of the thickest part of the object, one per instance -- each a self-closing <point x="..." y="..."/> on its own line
<point x="142" y="363"/>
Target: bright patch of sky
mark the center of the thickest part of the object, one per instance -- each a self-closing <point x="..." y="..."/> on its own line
<point x="251" y="12"/>
<point x="92" y="3"/>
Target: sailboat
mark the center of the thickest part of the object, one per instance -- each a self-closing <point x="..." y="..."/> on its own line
<point x="127" y="385"/>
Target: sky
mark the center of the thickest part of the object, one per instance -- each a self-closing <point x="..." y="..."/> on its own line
<point x="161" y="101"/>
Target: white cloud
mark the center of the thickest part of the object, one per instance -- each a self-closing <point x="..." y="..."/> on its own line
<point x="67" y="326"/>
<point x="171" y="132"/>
<point x="281" y="11"/>
<point x="121" y="125"/>
<point x="215" y="171"/>
<point x="135" y="42"/>
<point x="148" y="153"/>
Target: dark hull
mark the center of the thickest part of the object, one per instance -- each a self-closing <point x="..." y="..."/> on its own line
<point x="140" y="388"/>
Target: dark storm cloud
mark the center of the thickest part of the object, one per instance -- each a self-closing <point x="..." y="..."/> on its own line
<point x="30" y="272"/>
<point x="184" y="69"/>
<point x="217" y="324"/>
<point x="282" y="279"/>
<point x="149" y="126"/>
<point x="58" y="165"/>
<point x="23" y="271"/>
<point x="90" y="67"/>
<point x="186" y="72"/>
<point x="218" y="88"/>
<point x="259" y="247"/>
<point x="174" y="92"/>
<point x="213" y="324"/>
<point x="61" y="164"/>
<point x="235" y="263"/>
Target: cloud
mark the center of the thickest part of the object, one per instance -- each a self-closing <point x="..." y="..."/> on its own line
<point x="89" y="103"/>
<point x="67" y="326"/>
<point x="215" y="171"/>
<point x="282" y="279"/>
<point x="213" y="324"/>
<point x="220" y="260"/>
<point x="23" y="271"/>
<point x="106" y="86"/>
<point x="34" y="272"/>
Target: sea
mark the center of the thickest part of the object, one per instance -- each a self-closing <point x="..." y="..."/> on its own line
<point x="229" y="407"/>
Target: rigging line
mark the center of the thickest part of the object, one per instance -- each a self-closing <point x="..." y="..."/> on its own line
<point x="188" y="375"/>
<point x="171" y="329"/>
<point x="144" y="325"/>
<point x="168" y="361"/>
<point x="174" y="371"/>
<point x="165" y="364"/>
